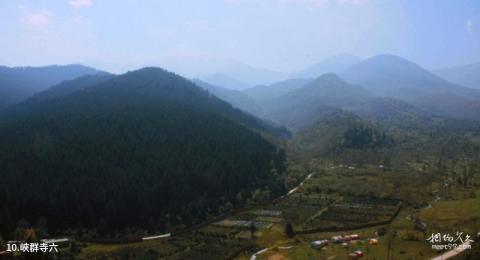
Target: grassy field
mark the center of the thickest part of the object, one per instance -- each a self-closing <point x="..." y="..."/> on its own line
<point x="455" y="215"/>
<point x="403" y="239"/>
<point x="346" y="196"/>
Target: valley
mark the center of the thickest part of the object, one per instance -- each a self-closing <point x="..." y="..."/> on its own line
<point x="367" y="162"/>
<point x="336" y="200"/>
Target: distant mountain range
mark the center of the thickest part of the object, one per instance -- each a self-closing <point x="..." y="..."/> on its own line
<point x="333" y="64"/>
<point x="19" y="83"/>
<point x="155" y="147"/>
<point x="263" y="93"/>
<point x="237" y="98"/>
<point x="395" y="77"/>
<point x="388" y="78"/>
<point x="466" y="75"/>
<point x="239" y="76"/>
<point x="298" y="108"/>
<point x="225" y="81"/>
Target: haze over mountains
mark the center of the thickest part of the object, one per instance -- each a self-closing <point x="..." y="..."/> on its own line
<point x="466" y="75"/>
<point x="239" y="76"/>
<point x="333" y="64"/>
<point x="395" y="77"/>
<point x="188" y="145"/>
<point x="18" y="83"/>
<point x="381" y="76"/>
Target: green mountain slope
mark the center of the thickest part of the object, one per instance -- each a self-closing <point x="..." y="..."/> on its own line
<point x="341" y="135"/>
<point x="141" y="148"/>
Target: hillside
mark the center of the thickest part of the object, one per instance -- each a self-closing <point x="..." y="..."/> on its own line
<point x="147" y="145"/>
<point x="262" y="93"/>
<point x="298" y="108"/>
<point x="235" y="97"/>
<point x="18" y="83"/>
<point x="68" y="87"/>
<point x="343" y="137"/>
<point x="395" y="77"/>
<point x="466" y="75"/>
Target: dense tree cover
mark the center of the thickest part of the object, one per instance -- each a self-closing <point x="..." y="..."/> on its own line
<point x="338" y="132"/>
<point x="344" y="137"/>
<point x="146" y="149"/>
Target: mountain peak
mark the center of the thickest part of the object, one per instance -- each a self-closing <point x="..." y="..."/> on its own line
<point x="331" y="84"/>
<point x="390" y="59"/>
<point x="332" y="64"/>
<point x="149" y="71"/>
<point x="332" y="77"/>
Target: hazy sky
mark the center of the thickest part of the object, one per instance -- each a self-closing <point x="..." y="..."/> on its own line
<point x="197" y="36"/>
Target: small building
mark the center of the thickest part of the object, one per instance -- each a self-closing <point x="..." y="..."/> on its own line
<point x="337" y="239"/>
<point x="373" y="241"/>
<point x="358" y="253"/>
<point x="319" y="244"/>
<point x="351" y="237"/>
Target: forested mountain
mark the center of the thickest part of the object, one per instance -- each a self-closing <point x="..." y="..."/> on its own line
<point x="70" y="86"/>
<point x="466" y="75"/>
<point x="262" y="93"/>
<point x="340" y="121"/>
<point x="393" y="113"/>
<point x="341" y="135"/>
<point x="344" y="137"/>
<point x="38" y="100"/>
<point x="243" y="102"/>
<point x="333" y="64"/>
<point x="298" y="108"/>
<point x="147" y="145"/>
<point x="392" y="76"/>
<point x="18" y="83"/>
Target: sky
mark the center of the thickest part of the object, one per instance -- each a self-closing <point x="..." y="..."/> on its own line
<point x="194" y="37"/>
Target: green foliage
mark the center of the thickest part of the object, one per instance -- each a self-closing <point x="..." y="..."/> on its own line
<point x="141" y="146"/>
